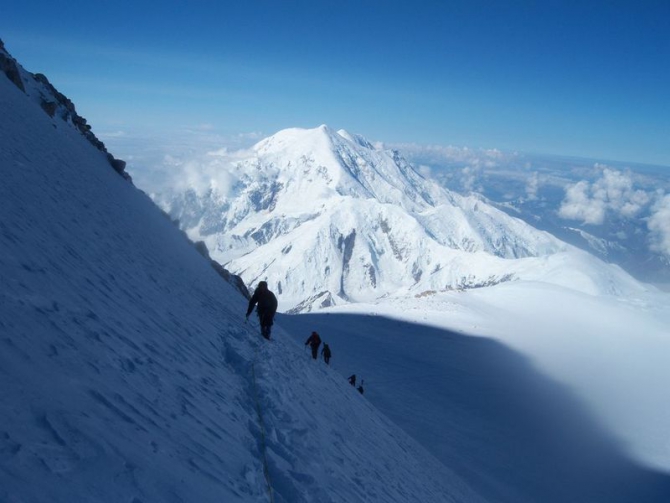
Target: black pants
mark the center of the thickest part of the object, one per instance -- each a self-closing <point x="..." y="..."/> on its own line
<point x="326" y="359"/>
<point x="315" y="351"/>
<point x="266" y="324"/>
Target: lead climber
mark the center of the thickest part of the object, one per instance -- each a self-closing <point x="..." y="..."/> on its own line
<point x="267" y="307"/>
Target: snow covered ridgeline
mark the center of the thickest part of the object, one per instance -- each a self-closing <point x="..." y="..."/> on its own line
<point x="327" y="218"/>
<point x="125" y="373"/>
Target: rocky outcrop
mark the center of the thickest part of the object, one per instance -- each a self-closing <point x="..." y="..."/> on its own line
<point x="319" y="301"/>
<point x="233" y="279"/>
<point x="9" y="67"/>
<point x="56" y="104"/>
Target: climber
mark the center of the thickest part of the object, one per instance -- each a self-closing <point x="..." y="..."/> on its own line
<point x="326" y="353"/>
<point x="267" y="307"/>
<point x="314" y="342"/>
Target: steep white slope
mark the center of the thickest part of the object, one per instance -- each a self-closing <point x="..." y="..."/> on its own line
<point x="326" y="219"/>
<point x="126" y="373"/>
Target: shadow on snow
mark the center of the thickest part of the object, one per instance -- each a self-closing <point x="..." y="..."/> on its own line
<point x="484" y="411"/>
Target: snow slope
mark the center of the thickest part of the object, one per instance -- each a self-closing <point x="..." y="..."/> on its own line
<point x="126" y="373"/>
<point x="326" y="218"/>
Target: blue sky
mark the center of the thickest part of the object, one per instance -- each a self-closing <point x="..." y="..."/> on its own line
<point x="561" y="77"/>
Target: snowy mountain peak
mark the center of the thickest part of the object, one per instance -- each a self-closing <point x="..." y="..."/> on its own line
<point x="355" y="138"/>
<point x="322" y="163"/>
<point x="326" y="218"/>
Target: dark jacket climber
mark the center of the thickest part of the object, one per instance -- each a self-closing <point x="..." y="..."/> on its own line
<point x="314" y="341"/>
<point x="267" y="307"/>
<point x="326" y="353"/>
<point x="352" y="379"/>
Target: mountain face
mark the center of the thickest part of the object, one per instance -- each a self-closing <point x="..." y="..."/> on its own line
<point x="326" y="218"/>
<point x="126" y="374"/>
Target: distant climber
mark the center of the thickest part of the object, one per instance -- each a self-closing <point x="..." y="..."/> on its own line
<point x="352" y="379"/>
<point x="267" y="307"/>
<point x="360" y="387"/>
<point x="326" y="353"/>
<point x="314" y="342"/>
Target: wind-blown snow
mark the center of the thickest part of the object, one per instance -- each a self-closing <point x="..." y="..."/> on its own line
<point x="126" y="373"/>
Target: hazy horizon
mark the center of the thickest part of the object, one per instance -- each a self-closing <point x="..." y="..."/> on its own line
<point x="586" y="81"/>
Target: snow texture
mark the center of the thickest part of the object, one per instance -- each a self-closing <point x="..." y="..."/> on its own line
<point x="126" y="373"/>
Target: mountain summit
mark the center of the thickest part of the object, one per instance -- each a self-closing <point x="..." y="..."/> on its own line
<point x="328" y="218"/>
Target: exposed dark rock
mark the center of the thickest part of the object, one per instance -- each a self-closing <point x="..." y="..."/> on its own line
<point x="55" y="103"/>
<point x="49" y="107"/>
<point x="346" y="246"/>
<point x="202" y="249"/>
<point x="9" y="68"/>
<point x="469" y="283"/>
<point x="372" y="275"/>
<point x="61" y="99"/>
<point x="417" y="272"/>
<point x="320" y="300"/>
<point x="118" y="165"/>
<point x="233" y="279"/>
<point x="265" y="197"/>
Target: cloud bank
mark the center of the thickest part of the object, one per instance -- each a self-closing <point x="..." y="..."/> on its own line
<point x="195" y="157"/>
<point x="659" y="226"/>
<point x="451" y="155"/>
<point x="613" y="193"/>
<point x="532" y="186"/>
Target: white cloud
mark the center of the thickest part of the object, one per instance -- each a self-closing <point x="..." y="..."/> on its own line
<point x="659" y="225"/>
<point x="471" y="175"/>
<point x="424" y="170"/>
<point x="195" y="156"/>
<point x="440" y="154"/>
<point x="612" y="193"/>
<point x="111" y="134"/>
<point x="215" y="170"/>
<point x="532" y="186"/>
<point x="578" y="205"/>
